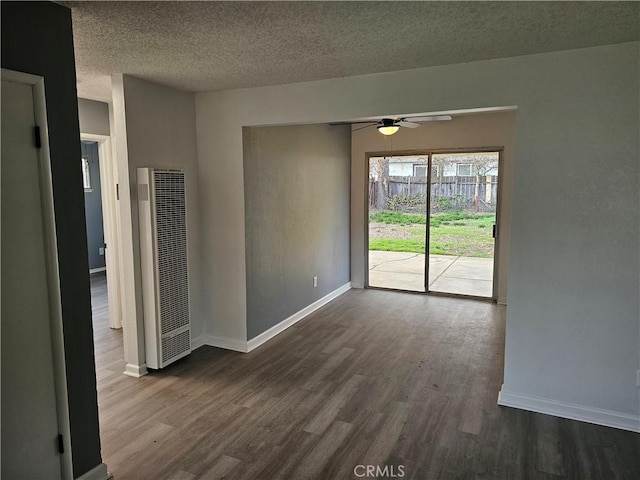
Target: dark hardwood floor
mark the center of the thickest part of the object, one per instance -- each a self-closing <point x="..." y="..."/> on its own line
<point x="373" y="378"/>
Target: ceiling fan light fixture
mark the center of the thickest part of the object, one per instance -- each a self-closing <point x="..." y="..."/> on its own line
<point x="388" y="129"/>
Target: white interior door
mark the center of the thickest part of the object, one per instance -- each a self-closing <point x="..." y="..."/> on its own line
<point x="29" y="410"/>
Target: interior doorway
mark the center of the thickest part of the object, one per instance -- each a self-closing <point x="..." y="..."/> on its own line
<point x="100" y="186"/>
<point x="107" y="338"/>
<point x="432" y="222"/>
<point x="93" y="207"/>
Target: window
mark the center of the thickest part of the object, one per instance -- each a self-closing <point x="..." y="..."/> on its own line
<point x="419" y="170"/>
<point x="465" y="169"/>
<point x="86" y="174"/>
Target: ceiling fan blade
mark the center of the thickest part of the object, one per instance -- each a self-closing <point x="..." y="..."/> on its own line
<point x="404" y="123"/>
<point x="333" y="124"/>
<point x="432" y="118"/>
<point x="361" y="128"/>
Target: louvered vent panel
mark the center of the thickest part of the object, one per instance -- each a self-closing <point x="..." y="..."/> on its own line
<point x="175" y="346"/>
<point x="163" y="260"/>
<point x="171" y="232"/>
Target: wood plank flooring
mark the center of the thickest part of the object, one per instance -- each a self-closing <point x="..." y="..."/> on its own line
<point x="373" y="378"/>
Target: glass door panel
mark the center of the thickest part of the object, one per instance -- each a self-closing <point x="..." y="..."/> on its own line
<point x="397" y="222"/>
<point x="464" y="194"/>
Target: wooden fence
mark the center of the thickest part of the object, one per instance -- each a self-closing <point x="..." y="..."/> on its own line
<point x="447" y="193"/>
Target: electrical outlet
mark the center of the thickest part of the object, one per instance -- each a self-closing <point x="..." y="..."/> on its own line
<point x="101" y="251"/>
<point x="315" y="282"/>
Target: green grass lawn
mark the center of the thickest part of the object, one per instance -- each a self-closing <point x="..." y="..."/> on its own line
<point x="400" y="218"/>
<point x="453" y="233"/>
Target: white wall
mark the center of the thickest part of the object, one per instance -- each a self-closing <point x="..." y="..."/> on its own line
<point x="400" y="169"/>
<point x="572" y="321"/>
<point x="495" y="129"/>
<point x="93" y="117"/>
<point x="155" y="127"/>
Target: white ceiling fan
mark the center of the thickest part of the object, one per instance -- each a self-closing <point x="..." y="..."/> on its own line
<point x="389" y="126"/>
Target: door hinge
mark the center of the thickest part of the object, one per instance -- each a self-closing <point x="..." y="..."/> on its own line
<point x="60" y="444"/>
<point x="36" y="137"/>
<point x="117" y="191"/>
<point x="494" y="230"/>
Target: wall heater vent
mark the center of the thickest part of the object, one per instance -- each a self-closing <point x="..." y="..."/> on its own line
<point x="163" y="252"/>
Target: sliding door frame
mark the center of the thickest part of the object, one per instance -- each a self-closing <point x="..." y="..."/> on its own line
<point x="429" y="154"/>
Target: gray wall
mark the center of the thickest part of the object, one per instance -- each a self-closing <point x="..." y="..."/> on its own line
<point x="93" y="207"/>
<point x="37" y="38"/>
<point x="93" y="117"/>
<point x="574" y="276"/>
<point x="297" y="218"/>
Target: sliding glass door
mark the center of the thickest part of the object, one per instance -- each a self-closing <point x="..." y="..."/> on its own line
<point x="432" y="222"/>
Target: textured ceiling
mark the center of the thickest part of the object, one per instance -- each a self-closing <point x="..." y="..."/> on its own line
<point x="201" y="46"/>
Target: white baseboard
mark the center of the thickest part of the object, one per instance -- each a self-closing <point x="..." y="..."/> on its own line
<point x="296" y="317"/>
<point x="246" y="346"/>
<point x="502" y="300"/>
<point x="197" y="342"/>
<point x="135" y="371"/>
<point x="225" y="342"/>
<point x="99" y="472"/>
<point x="598" y="416"/>
<point x="97" y="270"/>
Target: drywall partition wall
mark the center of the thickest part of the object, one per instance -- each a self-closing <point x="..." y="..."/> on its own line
<point x="93" y="208"/>
<point x="37" y="39"/>
<point x="572" y="320"/>
<point x="155" y="127"/>
<point x="296" y="196"/>
<point x="130" y="285"/>
<point x="93" y="117"/>
<point x="496" y="129"/>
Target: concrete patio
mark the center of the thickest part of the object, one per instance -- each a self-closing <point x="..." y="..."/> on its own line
<point x="449" y="274"/>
